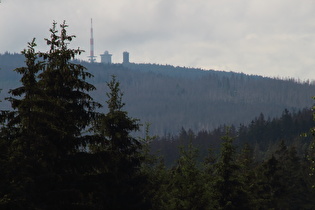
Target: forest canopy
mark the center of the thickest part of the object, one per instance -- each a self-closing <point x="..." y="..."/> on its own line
<point x="59" y="151"/>
<point x="170" y="98"/>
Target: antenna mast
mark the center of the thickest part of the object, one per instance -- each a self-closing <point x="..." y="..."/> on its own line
<point x="91" y="57"/>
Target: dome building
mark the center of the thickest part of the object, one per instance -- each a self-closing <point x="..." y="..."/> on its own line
<point x="106" y="58"/>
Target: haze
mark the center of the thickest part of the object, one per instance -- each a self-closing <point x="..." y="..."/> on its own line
<point x="270" y="38"/>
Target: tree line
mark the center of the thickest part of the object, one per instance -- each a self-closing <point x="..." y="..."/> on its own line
<point x="58" y="152"/>
<point x="171" y="97"/>
<point x="261" y="134"/>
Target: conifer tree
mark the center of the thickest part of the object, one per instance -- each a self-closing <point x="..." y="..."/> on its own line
<point x="209" y="178"/>
<point x="65" y="85"/>
<point x="120" y="154"/>
<point x="5" y="197"/>
<point x="228" y="186"/>
<point x="280" y="181"/>
<point x="299" y="192"/>
<point x="187" y="185"/>
<point x="45" y="133"/>
<point x="247" y="165"/>
<point x="158" y="176"/>
<point x="269" y="183"/>
<point x="295" y="190"/>
<point x="21" y="134"/>
<point x="311" y="159"/>
<point x="311" y="152"/>
<point x="71" y="110"/>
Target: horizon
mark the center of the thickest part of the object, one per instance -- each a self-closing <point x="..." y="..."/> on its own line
<point x="284" y="78"/>
<point x="272" y="39"/>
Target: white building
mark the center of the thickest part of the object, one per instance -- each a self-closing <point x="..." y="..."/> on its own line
<point x="106" y="58"/>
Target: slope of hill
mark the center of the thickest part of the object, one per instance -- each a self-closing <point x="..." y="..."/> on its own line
<point x="171" y="97"/>
<point x="262" y="135"/>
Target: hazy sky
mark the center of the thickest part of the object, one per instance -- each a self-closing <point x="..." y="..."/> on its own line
<point x="270" y="38"/>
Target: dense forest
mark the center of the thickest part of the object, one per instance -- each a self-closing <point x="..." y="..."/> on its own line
<point x="58" y="150"/>
<point x="170" y="98"/>
<point x="262" y="135"/>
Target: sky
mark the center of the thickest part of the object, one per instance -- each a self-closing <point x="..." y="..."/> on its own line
<point x="274" y="38"/>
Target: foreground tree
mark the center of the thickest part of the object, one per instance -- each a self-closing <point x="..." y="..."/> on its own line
<point x="44" y="134"/>
<point x="120" y="154"/>
<point x="187" y="185"/>
<point x="21" y="134"/>
<point x="229" y="190"/>
<point x="311" y="152"/>
<point x="66" y="88"/>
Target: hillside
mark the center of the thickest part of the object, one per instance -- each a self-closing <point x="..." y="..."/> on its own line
<point x="262" y="135"/>
<point x="171" y="97"/>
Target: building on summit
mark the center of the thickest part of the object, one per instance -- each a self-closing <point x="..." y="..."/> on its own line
<point x="125" y="57"/>
<point x="106" y="58"/>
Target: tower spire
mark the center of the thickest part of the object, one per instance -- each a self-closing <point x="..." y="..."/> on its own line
<point x="91" y="57"/>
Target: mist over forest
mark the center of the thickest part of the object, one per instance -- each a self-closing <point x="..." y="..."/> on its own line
<point x="215" y="140"/>
<point x="86" y="135"/>
<point x="171" y="98"/>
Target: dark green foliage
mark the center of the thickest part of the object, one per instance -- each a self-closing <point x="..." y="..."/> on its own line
<point x="45" y="131"/>
<point x="66" y="90"/>
<point x="157" y="188"/>
<point x="57" y="152"/>
<point x="235" y="180"/>
<point x="187" y="189"/>
<point x="262" y="135"/>
<point x="229" y="188"/>
<point x="311" y="159"/>
<point x="120" y="154"/>
<point x="171" y="97"/>
<point x="281" y="181"/>
<point x="311" y="152"/>
<point x="21" y="136"/>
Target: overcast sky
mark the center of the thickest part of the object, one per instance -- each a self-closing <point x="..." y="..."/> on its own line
<point x="269" y="38"/>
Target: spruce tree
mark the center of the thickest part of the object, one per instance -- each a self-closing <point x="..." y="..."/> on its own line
<point x="295" y="191"/>
<point x="21" y="135"/>
<point x="311" y="153"/>
<point x="269" y="184"/>
<point x="228" y="185"/>
<point x="121" y="179"/>
<point x="66" y="88"/>
<point x="247" y="166"/>
<point x="71" y="110"/>
<point x="187" y="185"/>
<point x="209" y="177"/>
<point x="44" y="136"/>
<point x="154" y="169"/>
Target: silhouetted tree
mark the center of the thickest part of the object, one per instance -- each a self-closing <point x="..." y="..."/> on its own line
<point x="229" y="189"/>
<point x="124" y="183"/>
<point x="187" y="186"/>
<point x="45" y="132"/>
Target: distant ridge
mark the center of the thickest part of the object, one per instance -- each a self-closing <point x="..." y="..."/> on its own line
<point x="171" y="97"/>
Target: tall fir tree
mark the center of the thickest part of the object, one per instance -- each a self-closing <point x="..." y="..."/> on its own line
<point x="45" y="132"/>
<point x="71" y="110"/>
<point x="247" y="166"/>
<point x="228" y="185"/>
<point x="22" y="134"/>
<point x="311" y="153"/>
<point x="121" y="179"/>
<point x="65" y="85"/>
<point x="187" y="185"/>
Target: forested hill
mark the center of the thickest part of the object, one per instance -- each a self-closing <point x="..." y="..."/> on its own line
<point x="171" y="97"/>
<point x="262" y="135"/>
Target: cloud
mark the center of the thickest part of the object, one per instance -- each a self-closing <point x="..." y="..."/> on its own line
<point x="272" y="38"/>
